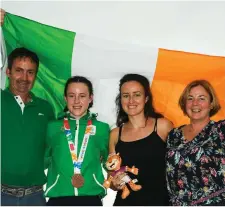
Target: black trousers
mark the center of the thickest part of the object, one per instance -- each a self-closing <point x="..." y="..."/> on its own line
<point x="75" y="201"/>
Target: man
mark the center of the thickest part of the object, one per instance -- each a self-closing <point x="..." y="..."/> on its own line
<point x="2" y="14"/>
<point x="24" y="119"/>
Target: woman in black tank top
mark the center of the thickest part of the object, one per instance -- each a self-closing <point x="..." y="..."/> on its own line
<point x="140" y="140"/>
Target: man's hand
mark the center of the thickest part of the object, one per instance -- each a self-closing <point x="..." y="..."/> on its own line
<point x="2" y="16"/>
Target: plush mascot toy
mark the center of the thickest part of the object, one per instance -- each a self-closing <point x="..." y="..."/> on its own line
<point x="113" y="164"/>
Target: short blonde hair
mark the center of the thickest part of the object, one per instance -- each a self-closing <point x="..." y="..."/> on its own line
<point x="210" y="90"/>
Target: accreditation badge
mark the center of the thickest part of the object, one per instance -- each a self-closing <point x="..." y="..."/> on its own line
<point x="93" y="130"/>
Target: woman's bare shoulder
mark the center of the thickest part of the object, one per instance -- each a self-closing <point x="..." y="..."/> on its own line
<point x="164" y="126"/>
<point x="114" y="132"/>
<point x="113" y="139"/>
<point x="165" y="123"/>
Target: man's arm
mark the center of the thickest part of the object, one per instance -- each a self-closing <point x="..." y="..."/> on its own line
<point x="2" y="16"/>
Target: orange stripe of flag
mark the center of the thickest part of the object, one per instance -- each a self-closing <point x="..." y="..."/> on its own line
<point x="174" y="70"/>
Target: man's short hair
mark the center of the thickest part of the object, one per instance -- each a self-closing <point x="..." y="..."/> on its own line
<point x="22" y="53"/>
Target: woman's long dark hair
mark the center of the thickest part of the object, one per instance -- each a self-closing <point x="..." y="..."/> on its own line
<point x="149" y="110"/>
<point x="79" y="79"/>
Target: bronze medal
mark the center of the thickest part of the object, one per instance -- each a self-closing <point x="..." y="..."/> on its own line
<point x="77" y="180"/>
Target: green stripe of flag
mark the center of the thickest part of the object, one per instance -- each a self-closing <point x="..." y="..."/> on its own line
<point x="54" y="48"/>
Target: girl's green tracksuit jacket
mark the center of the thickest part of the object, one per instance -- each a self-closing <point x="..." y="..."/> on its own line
<point x="61" y="170"/>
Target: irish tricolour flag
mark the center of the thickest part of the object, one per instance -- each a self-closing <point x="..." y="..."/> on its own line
<point x="65" y="53"/>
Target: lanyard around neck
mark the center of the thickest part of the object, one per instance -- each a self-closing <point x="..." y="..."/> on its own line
<point x="77" y="160"/>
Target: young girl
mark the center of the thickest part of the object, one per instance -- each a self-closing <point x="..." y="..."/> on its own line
<point x="79" y="144"/>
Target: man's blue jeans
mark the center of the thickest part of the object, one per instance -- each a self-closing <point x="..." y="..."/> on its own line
<point x="34" y="199"/>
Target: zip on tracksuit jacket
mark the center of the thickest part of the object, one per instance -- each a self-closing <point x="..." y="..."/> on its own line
<point x="61" y="170"/>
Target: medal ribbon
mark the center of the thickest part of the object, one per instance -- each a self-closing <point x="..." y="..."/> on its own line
<point x="77" y="162"/>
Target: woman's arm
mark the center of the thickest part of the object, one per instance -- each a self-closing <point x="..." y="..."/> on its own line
<point x="113" y="140"/>
<point x="117" y="179"/>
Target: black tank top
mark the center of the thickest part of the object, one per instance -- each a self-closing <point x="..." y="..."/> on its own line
<point x="147" y="154"/>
